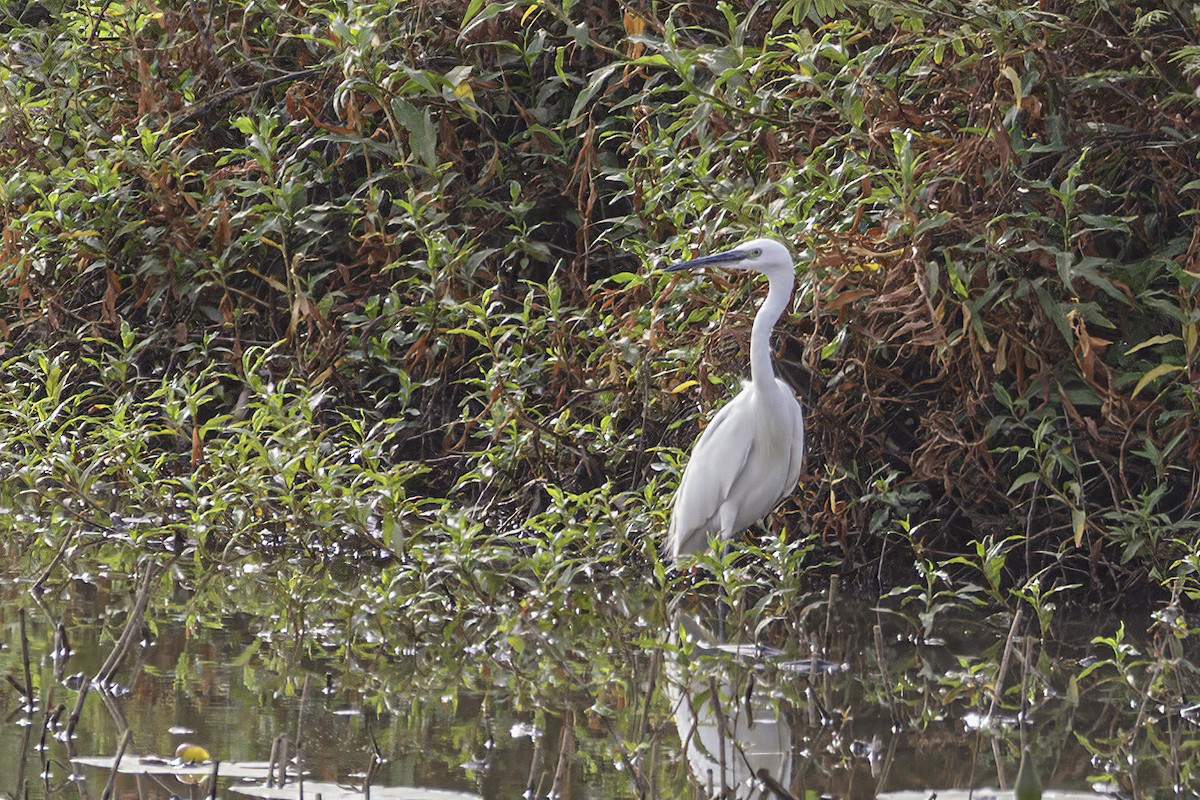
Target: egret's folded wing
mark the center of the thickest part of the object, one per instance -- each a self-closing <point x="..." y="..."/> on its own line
<point x="718" y="459"/>
<point x="796" y="459"/>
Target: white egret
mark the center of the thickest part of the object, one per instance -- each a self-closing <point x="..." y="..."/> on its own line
<point x="749" y="456"/>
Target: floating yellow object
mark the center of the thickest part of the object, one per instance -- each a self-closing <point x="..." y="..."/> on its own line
<point x="189" y="753"/>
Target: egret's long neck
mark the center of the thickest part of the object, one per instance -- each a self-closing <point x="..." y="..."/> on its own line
<point x="762" y="374"/>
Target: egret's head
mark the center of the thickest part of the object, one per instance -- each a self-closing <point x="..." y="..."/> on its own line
<point x="760" y="255"/>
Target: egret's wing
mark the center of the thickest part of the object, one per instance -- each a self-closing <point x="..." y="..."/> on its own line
<point x="796" y="455"/>
<point x="718" y="460"/>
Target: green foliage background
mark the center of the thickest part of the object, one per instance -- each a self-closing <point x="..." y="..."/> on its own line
<point x="289" y="274"/>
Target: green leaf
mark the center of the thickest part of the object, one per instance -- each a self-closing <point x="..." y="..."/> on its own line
<point x="422" y="135"/>
<point x="474" y="334"/>
<point x="1053" y="310"/>
<point x="1157" y="372"/>
<point x="1153" y="340"/>
<point x="1028" y="477"/>
<point x="596" y="81"/>
<point x="473" y="16"/>
<point x="628" y="278"/>
<point x="1078" y="522"/>
<point x="1063" y="261"/>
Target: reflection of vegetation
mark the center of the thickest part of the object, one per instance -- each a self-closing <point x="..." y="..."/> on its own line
<point x="341" y="314"/>
<point x="894" y="699"/>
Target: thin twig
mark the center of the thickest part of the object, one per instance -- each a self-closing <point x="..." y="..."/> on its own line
<point x="73" y="720"/>
<point x="883" y="672"/>
<point x="775" y="787"/>
<point x="54" y="562"/>
<point x="651" y="681"/>
<point x="566" y="752"/>
<point x="62" y="651"/>
<point x="649" y="780"/>
<point x="719" y="712"/>
<point x="126" y="737"/>
<point x="1001" y="778"/>
<point x="833" y="590"/>
<point x="300" y="737"/>
<point x="212" y="780"/>
<point x="48" y="725"/>
<point x="203" y="109"/>
<point x="281" y="764"/>
<point x="998" y="688"/>
<point x="132" y="624"/>
<point x="885" y="769"/>
<point x="1029" y="528"/>
<point x="1025" y="661"/>
<point x="271" y="763"/>
<point x="826" y="645"/>
<point x="372" y="768"/>
<point x="99" y="18"/>
<point x="25" y="659"/>
<point x="535" y="766"/>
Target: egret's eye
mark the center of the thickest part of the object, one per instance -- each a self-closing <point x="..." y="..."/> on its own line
<point x="756" y="252"/>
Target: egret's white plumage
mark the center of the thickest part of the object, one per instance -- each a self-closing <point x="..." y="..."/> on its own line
<point x="749" y="456"/>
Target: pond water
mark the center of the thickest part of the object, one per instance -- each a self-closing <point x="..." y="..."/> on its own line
<point x="867" y="703"/>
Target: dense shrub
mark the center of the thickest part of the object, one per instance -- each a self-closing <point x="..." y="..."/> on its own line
<point x="444" y="221"/>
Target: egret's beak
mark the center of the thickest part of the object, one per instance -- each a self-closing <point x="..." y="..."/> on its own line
<point x="728" y="258"/>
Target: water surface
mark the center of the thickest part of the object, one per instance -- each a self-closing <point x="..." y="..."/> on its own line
<point x="865" y="701"/>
